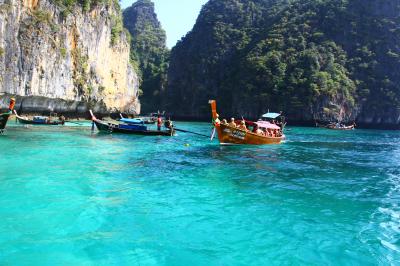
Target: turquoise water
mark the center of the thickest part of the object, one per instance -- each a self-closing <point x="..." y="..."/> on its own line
<point x="70" y="197"/>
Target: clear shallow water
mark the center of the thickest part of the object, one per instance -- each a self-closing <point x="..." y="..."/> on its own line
<point x="70" y="197"/>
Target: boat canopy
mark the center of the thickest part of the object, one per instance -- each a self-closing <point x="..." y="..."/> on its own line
<point x="261" y="124"/>
<point x="267" y="125"/>
<point x="132" y="121"/>
<point x="271" y="115"/>
<point x="40" y="117"/>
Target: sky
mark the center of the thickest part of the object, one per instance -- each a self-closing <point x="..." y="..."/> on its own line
<point x="177" y="16"/>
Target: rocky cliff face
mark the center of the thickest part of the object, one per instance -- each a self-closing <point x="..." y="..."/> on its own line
<point x="312" y="59"/>
<point x="65" y="60"/>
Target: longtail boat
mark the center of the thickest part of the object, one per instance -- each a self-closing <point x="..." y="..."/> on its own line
<point x="4" y="117"/>
<point x="39" y="120"/>
<point x="129" y="126"/>
<point x="335" y="126"/>
<point x="232" y="134"/>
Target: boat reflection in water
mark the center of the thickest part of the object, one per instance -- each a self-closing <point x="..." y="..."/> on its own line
<point x="256" y="133"/>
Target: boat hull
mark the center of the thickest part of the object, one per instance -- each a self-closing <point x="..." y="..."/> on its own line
<point x="333" y="127"/>
<point x="231" y="135"/>
<point x="26" y="121"/>
<point x="114" y="128"/>
<point x="341" y="128"/>
<point x="3" y="120"/>
<point x="30" y="122"/>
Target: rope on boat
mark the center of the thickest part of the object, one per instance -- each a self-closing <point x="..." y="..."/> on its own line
<point x="191" y="132"/>
<point x="74" y="123"/>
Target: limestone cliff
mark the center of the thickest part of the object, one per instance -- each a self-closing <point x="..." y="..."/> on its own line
<point x="65" y="59"/>
<point x="148" y="48"/>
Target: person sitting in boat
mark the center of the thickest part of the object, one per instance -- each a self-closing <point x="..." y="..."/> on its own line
<point x="232" y="123"/>
<point x="260" y="131"/>
<point x="224" y="122"/>
<point x="243" y="125"/>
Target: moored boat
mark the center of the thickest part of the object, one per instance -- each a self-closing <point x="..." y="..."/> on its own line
<point x="351" y="127"/>
<point x="336" y="126"/>
<point x="129" y="126"/>
<point x="4" y="117"/>
<point x="232" y="134"/>
<point x="39" y="120"/>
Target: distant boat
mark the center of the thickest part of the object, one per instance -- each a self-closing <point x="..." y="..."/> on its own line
<point x="39" y="120"/>
<point x="129" y="126"/>
<point x="336" y="126"/>
<point x="229" y="134"/>
<point x="4" y="117"/>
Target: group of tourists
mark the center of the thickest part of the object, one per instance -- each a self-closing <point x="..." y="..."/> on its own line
<point x="267" y="132"/>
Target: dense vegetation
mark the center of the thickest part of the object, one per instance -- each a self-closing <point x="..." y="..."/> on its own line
<point x="313" y="59"/>
<point x="148" y="47"/>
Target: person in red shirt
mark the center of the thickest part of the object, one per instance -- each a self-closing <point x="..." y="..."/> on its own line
<point x="159" y="123"/>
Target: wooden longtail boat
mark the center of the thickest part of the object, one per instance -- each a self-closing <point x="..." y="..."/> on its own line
<point x="334" y="126"/>
<point x="4" y="117"/>
<point x="232" y="135"/>
<point x="129" y="126"/>
<point x="38" y="120"/>
<point x="352" y="127"/>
